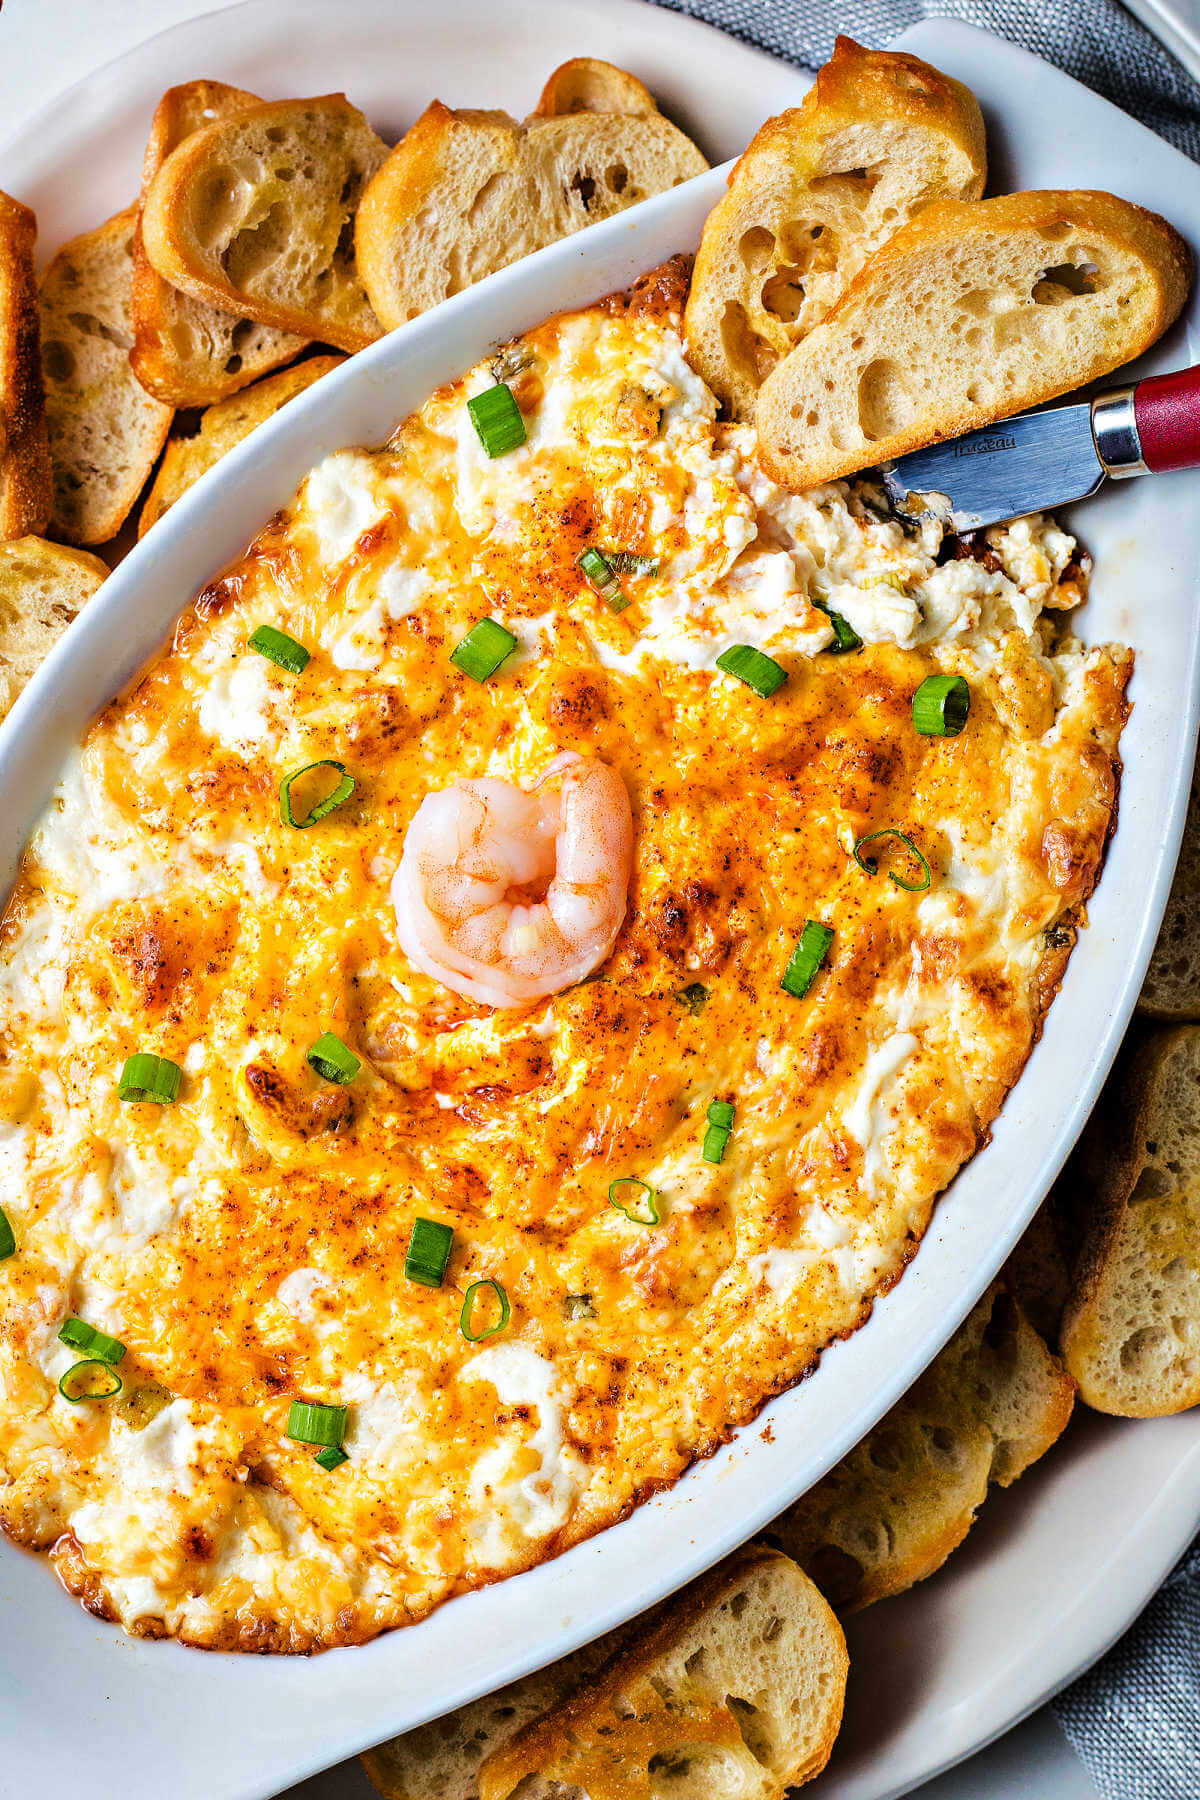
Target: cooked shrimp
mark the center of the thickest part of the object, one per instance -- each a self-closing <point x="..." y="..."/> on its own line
<point x="506" y="896"/>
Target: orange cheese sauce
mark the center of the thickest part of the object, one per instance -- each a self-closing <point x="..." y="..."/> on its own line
<point x="248" y="1243"/>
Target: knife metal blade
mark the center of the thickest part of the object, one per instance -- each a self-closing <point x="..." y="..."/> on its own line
<point x="1027" y="464"/>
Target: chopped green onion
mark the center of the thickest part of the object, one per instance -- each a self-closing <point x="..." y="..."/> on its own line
<point x="871" y="866"/>
<point x="309" y="1422"/>
<point x="628" y="562"/>
<point x="497" y="419"/>
<point x="720" y="1126"/>
<point x="695" y="997"/>
<point x="578" y="1306"/>
<point x="428" y="1252"/>
<point x="483" y="649"/>
<point x="845" y="636"/>
<point x="8" y="1243"/>
<point x="639" y="1195"/>
<point x="98" y="1345"/>
<point x="466" y="1319"/>
<point x="598" y="573"/>
<point x="332" y="1061"/>
<point x="147" y="1077"/>
<point x="331" y="1458"/>
<point x="79" y="1382"/>
<point x="757" y="670"/>
<point x="940" y="706"/>
<point x="279" y="648"/>
<point x="807" y="957"/>
<point x="320" y="809"/>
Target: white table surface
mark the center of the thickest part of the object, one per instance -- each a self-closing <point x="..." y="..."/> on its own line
<point x="45" y="45"/>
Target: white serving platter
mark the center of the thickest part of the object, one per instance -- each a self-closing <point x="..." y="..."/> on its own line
<point x="81" y="1701"/>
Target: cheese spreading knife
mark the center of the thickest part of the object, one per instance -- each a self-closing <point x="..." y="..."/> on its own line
<point x="1039" y="460"/>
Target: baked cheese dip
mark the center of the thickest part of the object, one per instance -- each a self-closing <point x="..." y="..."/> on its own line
<point x="505" y="987"/>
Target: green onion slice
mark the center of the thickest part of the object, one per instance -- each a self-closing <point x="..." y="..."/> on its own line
<point x="8" y="1243"/>
<point x="279" y="648"/>
<point x="716" y="1139"/>
<point x="96" y="1344"/>
<point x="332" y="1061"/>
<point x="845" y="636"/>
<point x="695" y="997"/>
<point x="870" y="864"/>
<point x="940" y="706"/>
<point x="466" y="1319"/>
<point x="146" y="1077"/>
<point x="754" y="667"/>
<point x="91" y="1379"/>
<point x="807" y="957"/>
<point x="628" y="562"/>
<point x="720" y="1126"/>
<point x="636" y="1199"/>
<point x="497" y="419"/>
<point x="600" y="577"/>
<point x="483" y="649"/>
<point x="332" y="1457"/>
<point x="428" y="1252"/>
<point x="320" y="809"/>
<point x="309" y="1422"/>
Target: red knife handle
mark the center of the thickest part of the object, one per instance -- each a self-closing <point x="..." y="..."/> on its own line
<point x="1167" y="411"/>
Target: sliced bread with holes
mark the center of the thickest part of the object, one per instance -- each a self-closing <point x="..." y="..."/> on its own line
<point x="42" y="588"/>
<point x="466" y="193"/>
<point x="1131" y="1329"/>
<point x="878" y="136"/>
<point x="891" y="1512"/>
<point x="1171" y="989"/>
<point x="254" y="214"/>
<point x="185" y="351"/>
<point x="735" y="1686"/>
<point x="587" y="84"/>
<point x="221" y="427"/>
<point x="105" y="430"/>
<point x="26" y="489"/>
<point x="971" y="312"/>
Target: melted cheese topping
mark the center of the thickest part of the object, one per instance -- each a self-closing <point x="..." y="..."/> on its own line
<point x="247" y="1243"/>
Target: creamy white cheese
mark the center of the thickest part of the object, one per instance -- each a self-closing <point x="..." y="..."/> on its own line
<point x="341" y="499"/>
<point x="235" y="705"/>
<point x="509" y="1502"/>
<point x="867" y="1119"/>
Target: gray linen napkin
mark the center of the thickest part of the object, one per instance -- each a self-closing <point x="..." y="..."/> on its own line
<point x="1134" y="1720"/>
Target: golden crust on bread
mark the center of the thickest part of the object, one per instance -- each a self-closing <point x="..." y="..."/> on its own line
<point x="254" y="215"/>
<point x="105" y="431"/>
<point x="971" y="312"/>
<point x="878" y="136"/>
<point x="42" y="588"/>
<point x="26" y="488"/>
<point x="588" y="84"/>
<point x="465" y="193"/>
<point x="186" y="352"/>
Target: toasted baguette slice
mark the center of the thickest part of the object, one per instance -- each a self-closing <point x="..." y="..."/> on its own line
<point x="26" y="489"/>
<point x="466" y="193"/>
<point x="1038" y="1273"/>
<point x="736" y="1684"/>
<point x="586" y="84"/>
<point x="878" y="136"/>
<point x="254" y="214"/>
<point x="223" y="426"/>
<point x="42" y="587"/>
<point x="105" y="429"/>
<point x="1171" y="989"/>
<point x="891" y="1512"/>
<point x="1131" y="1330"/>
<point x="971" y="312"/>
<point x="184" y="351"/>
